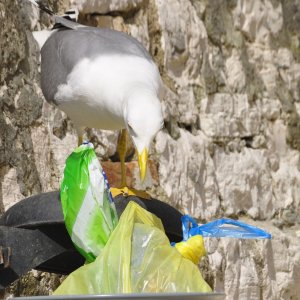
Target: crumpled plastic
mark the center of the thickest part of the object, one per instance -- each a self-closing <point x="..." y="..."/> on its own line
<point x="89" y="211"/>
<point x="192" y="249"/>
<point x="137" y="258"/>
<point x="192" y="246"/>
<point x="222" y="228"/>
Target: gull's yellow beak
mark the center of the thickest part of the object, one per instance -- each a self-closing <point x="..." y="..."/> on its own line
<point x="143" y="157"/>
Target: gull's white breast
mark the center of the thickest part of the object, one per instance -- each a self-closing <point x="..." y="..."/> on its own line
<point x="96" y="90"/>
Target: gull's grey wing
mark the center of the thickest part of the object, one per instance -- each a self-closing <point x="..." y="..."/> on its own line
<point x="66" y="47"/>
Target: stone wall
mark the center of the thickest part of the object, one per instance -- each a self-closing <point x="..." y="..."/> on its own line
<point x="231" y="142"/>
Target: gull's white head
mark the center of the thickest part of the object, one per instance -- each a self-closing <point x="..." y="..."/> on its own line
<point x="143" y="117"/>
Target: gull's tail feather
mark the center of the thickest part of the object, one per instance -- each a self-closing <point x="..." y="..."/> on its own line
<point x="69" y="19"/>
<point x="70" y="15"/>
<point x="42" y="7"/>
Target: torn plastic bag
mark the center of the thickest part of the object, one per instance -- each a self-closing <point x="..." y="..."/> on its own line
<point x="89" y="211"/>
<point x="137" y="258"/>
<point x="222" y="228"/>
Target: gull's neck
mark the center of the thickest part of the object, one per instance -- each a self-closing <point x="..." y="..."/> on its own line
<point x="140" y="98"/>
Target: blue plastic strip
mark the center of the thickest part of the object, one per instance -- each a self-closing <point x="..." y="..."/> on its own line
<point x="222" y="228"/>
<point x="186" y="221"/>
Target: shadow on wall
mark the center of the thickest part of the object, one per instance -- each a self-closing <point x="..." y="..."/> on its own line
<point x="20" y="106"/>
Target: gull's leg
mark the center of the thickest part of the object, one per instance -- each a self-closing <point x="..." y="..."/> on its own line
<point x="121" y="147"/>
<point x="80" y="132"/>
<point x="80" y="140"/>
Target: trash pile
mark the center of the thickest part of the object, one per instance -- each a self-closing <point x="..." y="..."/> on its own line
<point x="133" y="254"/>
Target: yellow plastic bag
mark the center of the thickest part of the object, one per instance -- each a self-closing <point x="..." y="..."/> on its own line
<point x="137" y="258"/>
<point x="193" y="248"/>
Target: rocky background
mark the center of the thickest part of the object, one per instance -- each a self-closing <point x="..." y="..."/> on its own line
<point x="231" y="142"/>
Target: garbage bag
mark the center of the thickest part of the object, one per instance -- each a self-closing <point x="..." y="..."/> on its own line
<point x="89" y="211"/>
<point x="137" y="258"/>
<point x="221" y="228"/>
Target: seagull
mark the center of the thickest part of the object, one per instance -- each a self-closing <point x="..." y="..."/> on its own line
<point x="103" y="78"/>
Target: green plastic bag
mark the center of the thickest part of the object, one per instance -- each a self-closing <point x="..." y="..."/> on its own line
<point x="89" y="211"/>
<point x="137" y="258"/>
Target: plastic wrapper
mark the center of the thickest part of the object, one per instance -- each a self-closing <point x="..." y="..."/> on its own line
<point x="222" y="228"/>
<point x="89" y="211"/>
<point x="137" y="258"/>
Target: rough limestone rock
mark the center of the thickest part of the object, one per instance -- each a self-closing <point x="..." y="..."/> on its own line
<point x="231" y="142"/>
<point x="192" y="169"/>
<point x="223" y="115"/>
<point x="106" y="6"/>
<point x="256" y="268"/>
